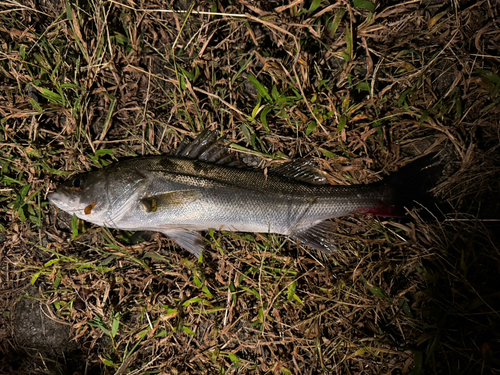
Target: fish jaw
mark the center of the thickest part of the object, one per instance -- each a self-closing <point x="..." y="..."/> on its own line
<point x="73" y="205"/>
<point x="66" y="201"/>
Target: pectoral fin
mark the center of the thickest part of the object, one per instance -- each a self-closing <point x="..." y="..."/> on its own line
<point x="187" y="239"/>
<point x="170" y="200"/>
<point x="318" y="236"/>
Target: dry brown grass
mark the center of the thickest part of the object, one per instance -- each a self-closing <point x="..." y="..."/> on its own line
<point x="362" y="93"/>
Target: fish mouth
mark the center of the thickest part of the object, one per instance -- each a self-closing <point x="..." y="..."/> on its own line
<point x="60" y="201"/>
<point x="54" y="198"/>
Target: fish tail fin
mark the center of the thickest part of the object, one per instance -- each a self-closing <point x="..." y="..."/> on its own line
<point x="408" y="187"/>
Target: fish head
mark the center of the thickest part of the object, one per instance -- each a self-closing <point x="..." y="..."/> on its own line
<point x="84" y="195"/>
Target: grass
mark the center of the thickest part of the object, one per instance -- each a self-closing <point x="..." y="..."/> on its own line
<point x="360" y="87"/>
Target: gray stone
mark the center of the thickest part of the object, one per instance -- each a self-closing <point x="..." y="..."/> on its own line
<point x="35" y="329"/>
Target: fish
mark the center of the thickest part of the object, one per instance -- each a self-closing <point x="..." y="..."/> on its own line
<point x="201" y="186"/>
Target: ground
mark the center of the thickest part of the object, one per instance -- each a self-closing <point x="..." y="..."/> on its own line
<point x="360" y="87"/>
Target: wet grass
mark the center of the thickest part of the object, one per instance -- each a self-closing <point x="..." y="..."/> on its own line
<point x="361" y="88"/>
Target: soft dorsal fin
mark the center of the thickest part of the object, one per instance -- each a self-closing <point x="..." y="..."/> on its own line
<point x="301" y="170"/>
<point x="206" y="147"/>
<point x="170" y="200"/>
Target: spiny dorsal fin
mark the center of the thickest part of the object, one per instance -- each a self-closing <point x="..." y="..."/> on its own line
<point x="301" y="170"/>
<point x="206" y="147"/>
<point x="170" y="200"/>
<point x="318" y="236"/>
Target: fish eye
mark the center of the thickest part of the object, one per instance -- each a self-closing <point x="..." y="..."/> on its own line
<point x="77" y="183"/>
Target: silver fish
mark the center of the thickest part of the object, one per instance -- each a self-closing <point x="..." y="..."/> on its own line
<point x="195" y="189"/>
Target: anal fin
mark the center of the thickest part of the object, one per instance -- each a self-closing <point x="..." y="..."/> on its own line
<point x="187" y="239"/>
<point x="318" y="236"/>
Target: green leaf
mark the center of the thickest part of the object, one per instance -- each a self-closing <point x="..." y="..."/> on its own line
<point x="70" y="86"/>
<point x="107" y="362"/>
<point x="196" y="300"/>
<point x="263" y="118"/>
<point x="35" y="277"/>
<point x="314" y="5"/>
<point x="424" y="117"/>
<point x="363" y="4"/>
<point x="22" y="51"/>
<point x="35" y="105"/>
<point x="111" y="109"/>
<point x="162" y="333"/>
<point x="263" y="92"/>
<point x="196" y="280"/>
<point x="488" y="74"/>
<point x="406" y="308"/>
<point x="403" y="96"/>
<point x="333" y="26"/>
<point x="363" y="86"/>
<point x="121" y="39"/>
<point x="52" y="170"/>
<point x="101" y="269"/>
<point x="51" y="262"/>
<point x="97" y="322"/>
<point x="342" y="124"/>
<point x="291" y="290"/>
<point x="246" y="132"/>
<point x="143" y="333"/>
<point x="24" y="191"/>
<point x="243" y="67"/>
<point x="22" y="215"/>
<point x="251" y="291"/>
<point x="349" y="41"/>
<point x="297" y="298"/>
<point x="103" y="152"/>
<point x="189" y="75"/>
<point x="51" y="96"/>
<point x="207" y="292"/>
<point x="106" y="261"/>
<point x="115" y="325"/>
<point x="418" y="361"/>
<point x="255" y="110"/>
<point x="328" y="154"/>
<point x="275" y="94"/>
<point x="188" y="331"/>
<point x="311" y="127"/>
<point x="182" y="82"/>
<point x="69" y="12"/>
<point x="74" y="226"/>
<point x="233" y="358"/>
<point x="376" y="291"/>
<point x="323" y="83"/>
